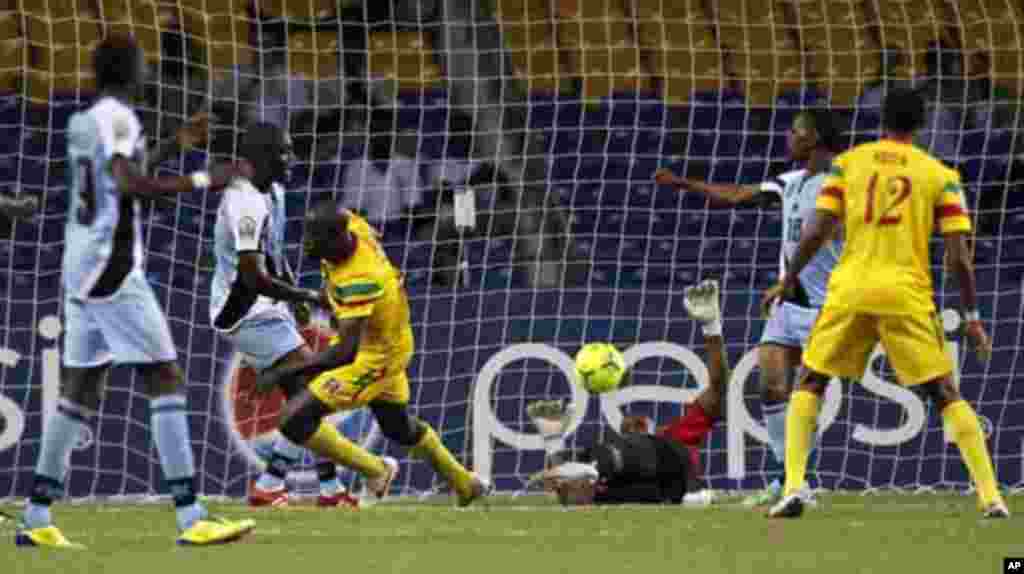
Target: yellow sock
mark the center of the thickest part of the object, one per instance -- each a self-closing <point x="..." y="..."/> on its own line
<point x="328" y="442"/>
<point x="966" y="430"/>
<point x="431" y="449"/>
<point x="801" y="416"/>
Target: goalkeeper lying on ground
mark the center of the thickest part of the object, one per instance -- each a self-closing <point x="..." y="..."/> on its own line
<point x="637" y="467"/>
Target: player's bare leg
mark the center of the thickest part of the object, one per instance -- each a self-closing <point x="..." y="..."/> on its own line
<point x="81" y="395"/>
<point x="702" y="303"/>
<point x="423" y="442"/>
<point x="303" y="423"/>
<point x="969" y="437"/>
<point x="801" y="419"/>
<point x="777" y="366"/>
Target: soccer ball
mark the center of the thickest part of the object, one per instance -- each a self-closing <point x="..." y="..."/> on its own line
<point x="600" y="367"/>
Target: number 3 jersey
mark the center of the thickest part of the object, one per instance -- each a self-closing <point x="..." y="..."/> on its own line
<point x="247" y="221"/>
<point x="799" y="193"/>
<point x="102" y="238"/>
<point x="890" y="197"/>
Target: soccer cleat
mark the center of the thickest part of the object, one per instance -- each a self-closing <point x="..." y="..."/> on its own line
<point x="996" y="510"/>
<point x="273" y="498"/>
<point x="339" y="499"/>
<point x="791" y="506"/>
<point x="380" y="486"/>
<point x="211" y="531"/>
<point x="478" y="488"/>
<point x="46" y="537"/>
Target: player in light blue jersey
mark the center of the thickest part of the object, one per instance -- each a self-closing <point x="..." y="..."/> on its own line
<point x="111" y="313"/>
<point x="813" y="140"/>
<point x="252" y="289"/>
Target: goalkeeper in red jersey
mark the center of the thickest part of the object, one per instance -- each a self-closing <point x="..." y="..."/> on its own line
<point x="635" y="466"/>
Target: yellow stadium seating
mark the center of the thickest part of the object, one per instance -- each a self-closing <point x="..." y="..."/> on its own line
<point x="12" y="61"/>
<point x="297" y="9"/>
<point x="404" y="56"/>
<point x="539" y="66"/>
<point x="687" y="61"/>
<point x="521" y="10"/>
<point x="313" y="54"/>
<point x="604" y="71"/>
<point x="223" y="38"/>
<point x="762" y="52"/>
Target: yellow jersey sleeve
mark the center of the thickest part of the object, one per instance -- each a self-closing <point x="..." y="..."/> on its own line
<point x="833" y="189"/>
<point x="950" y="208"/>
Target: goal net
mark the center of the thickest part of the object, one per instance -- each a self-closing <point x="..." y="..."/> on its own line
<point x="391" y="100"/>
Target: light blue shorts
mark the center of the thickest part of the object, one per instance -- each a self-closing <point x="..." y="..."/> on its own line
<point x="789" y="325"/>
<point x="266" y="337"/>
<point x="129" y="327"/>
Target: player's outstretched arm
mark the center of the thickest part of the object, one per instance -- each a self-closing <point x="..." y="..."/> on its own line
<point x="335" y="356"/>
<point x="130" y="178"/>
<point x="702" y="303"/>
<point x="252" y="270"/>
<point x="722" y="193"/>
<point x="18" y="206"/>
<point x="958" y="261"/>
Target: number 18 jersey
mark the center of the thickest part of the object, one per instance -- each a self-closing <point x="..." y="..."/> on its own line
<point x="890" y="197"/>
<point x="102" y="238"/>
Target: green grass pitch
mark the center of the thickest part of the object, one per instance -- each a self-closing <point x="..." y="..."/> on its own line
<point x="845" y="534"/>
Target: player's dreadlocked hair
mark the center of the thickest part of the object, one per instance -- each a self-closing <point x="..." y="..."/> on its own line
<point x="903" y="111"/>
<point x="116" y="62"/>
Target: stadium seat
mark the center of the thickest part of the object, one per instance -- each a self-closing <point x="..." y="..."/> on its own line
<point x="687" y="62"/>
<point x="761" y="51"/>
<point x="12" y="61"/>
<point x="301" y="10"/>
<point x="995" y="27"/>
<point x="404" y="56"/>
<point x="60" y="45"/>
<point x="224" y="37"/>
<point x="313" y="54"/>
<point x="606" y="70"/>
<point x="909" y="26"/>
<point x="138" y="18"/>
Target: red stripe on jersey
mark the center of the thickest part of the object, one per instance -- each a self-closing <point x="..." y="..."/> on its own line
<point x="944" y="211"/>
<point x="833" y="191"/>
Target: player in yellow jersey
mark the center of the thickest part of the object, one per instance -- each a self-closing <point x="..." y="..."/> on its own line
<point x="366" y="366"/>
<point x="889" y="197"/>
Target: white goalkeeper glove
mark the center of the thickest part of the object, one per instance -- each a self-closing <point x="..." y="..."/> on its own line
<point x="551" y="418"/>
<point x="701" y="301"/>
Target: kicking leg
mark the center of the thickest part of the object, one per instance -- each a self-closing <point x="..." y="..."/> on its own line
<point x="967" y="433"/>
<point x="303" y="424"/>
<point x="81" y="394"/>
<point x="423" y="442"/>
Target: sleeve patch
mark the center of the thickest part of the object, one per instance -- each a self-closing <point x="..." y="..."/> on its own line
<point x="360" y="290"/>
<point x="248" y="227"/>
<point x="835" y="170"/>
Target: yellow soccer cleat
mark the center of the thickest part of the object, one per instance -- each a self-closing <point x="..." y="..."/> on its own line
<point x="48" y="537"/>
<point x="210" y="531"/>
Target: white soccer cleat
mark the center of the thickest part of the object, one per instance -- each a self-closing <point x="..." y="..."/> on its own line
<point x="701" y="301"/>
<point x="700" y="499"/>
<point x="791" y="506"/>
<point x="380" y="485"/>
<point x="996" y="510"/>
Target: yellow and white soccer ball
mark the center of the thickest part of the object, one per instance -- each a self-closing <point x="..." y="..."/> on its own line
<point x="600" y="367"/>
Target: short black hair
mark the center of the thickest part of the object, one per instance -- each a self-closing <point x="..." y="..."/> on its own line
<point x="258" y="139"/>
<point x="116" y="62"/>
<point x="827" y="126"/>
<point x="903" y="111"/>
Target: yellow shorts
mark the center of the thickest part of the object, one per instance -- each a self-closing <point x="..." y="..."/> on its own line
<point x="842" y="341"/>
<point x="355" y="386"/>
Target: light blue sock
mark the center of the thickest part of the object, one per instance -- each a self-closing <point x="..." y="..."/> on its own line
<point x="169" y="423"/>
<point x="286" y="454"/>
<point x="59" y="437"/>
